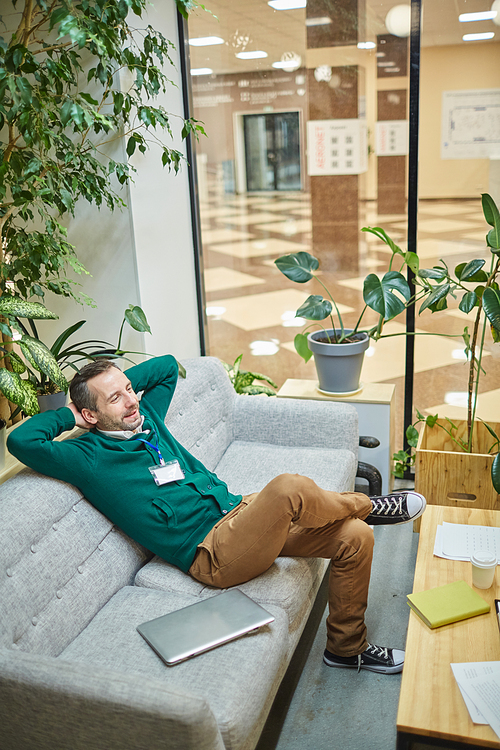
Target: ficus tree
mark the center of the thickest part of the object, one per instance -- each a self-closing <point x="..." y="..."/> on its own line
<point x="75" y="76"/>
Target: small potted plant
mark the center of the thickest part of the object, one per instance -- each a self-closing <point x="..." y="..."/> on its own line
<point x="339" y="351"/>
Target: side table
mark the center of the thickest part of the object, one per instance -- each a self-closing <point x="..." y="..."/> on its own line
<point x="375" y="406"/>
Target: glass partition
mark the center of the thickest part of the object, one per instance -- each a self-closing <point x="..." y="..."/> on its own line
<point x="306" y="109"/>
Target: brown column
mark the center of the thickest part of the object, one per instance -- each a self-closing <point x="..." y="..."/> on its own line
<point x="391" y="105"/>
<point x="334" y="198"/>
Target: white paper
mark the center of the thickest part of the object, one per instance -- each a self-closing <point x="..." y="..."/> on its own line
<point x="481" y="683"/>
<point x="455" y="541"/>
<point x="463" y="672"/>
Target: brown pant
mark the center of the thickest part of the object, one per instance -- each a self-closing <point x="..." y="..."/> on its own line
<point x="294" y="517"/>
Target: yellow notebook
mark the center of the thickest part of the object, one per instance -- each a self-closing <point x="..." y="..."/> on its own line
<point x="449" y="603"/>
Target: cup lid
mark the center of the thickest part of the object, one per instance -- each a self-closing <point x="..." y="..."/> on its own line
<point x="483" y="558"/>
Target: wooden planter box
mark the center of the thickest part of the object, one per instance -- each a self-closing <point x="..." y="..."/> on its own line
<point x="445" y="475"/>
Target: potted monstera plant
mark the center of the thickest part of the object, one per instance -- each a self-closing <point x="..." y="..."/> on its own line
<point x="459" y="460"/>
<point x="339" y="351"/>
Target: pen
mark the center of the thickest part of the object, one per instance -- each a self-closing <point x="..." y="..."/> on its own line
<point x="497" y="609"/>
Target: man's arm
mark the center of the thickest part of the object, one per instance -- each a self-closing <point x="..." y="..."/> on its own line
<point x="157" y="377"/>
<point x="33" y="443"/>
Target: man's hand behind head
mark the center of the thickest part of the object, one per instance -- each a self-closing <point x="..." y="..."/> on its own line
<point x="79" y="419"/>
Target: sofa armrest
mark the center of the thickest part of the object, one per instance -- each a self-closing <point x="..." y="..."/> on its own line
<point x="51" y="704"/>
<point x="295" y="422"/>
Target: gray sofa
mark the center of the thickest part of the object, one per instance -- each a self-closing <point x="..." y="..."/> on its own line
<point x="74" y="673"/>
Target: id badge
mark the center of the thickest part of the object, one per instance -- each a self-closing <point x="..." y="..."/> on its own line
<point x="169" y="472"/>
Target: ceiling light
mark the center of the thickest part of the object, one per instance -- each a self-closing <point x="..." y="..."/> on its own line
<point x="201" y="71"/>
<point x="478" y="37"/>
<point x="485" y="15"/>
<point x="255" y="55"/>
<point x="320" y="21"/>
<point x="264" y="348"/>
<point x="287" y="4"/>
<point x="284" y="64"/>
<point x="496" y="8"/>
<point x="367" y="45"/>
<point x="398" y="20"/>
<point x="205" y="41"/>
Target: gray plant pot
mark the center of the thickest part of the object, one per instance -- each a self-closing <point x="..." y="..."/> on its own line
<point x="338" y="365"/>
<point x="52" y="401"/>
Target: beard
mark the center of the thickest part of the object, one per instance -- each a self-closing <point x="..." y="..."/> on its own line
<point x="119" y="424"/>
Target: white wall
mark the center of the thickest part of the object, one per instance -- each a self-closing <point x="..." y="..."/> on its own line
<point x="143" y="254"/>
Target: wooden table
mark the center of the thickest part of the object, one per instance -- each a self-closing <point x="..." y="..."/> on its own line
<point x="431" y="707"/>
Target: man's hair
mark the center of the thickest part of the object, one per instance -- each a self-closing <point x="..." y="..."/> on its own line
<point x="82" y="396"/>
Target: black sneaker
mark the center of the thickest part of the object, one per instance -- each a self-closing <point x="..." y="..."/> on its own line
<point x="400" y="507"/>
<point x="374" y="659"/>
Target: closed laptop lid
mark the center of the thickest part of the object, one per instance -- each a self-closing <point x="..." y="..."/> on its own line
<point x="204" y="625"/>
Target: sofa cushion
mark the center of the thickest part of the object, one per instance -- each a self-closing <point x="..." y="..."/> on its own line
<point x="60" y="561"/>
<point x="248" y="467"/>
<point x="200" y="415"/>
<point x="290" y="583"/>
<point x="238" y="698"/>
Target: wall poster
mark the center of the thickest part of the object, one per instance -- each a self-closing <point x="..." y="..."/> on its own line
<point x="470" y="126"/>
<point x="337" y="147"/>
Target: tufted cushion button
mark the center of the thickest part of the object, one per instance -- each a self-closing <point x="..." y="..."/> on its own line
<point x="80" y="569"/>
<point x="100" y="546"/>
<point x="75" y="508"/>
<point x="223" y="419"/>
<point x="15" y="646"/>
<point x="195" y="399"/>
<point x="55" y="526"/>
<point x="213" y="386"/>
<point x="33" y="548"/>
<point x="211" y="430"/>
<point x="9" y="572"/>
<point x="34" y="621"/>
<point x="59" y="594"/>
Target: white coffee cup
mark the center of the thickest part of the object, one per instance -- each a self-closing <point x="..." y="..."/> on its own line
<point x="484" y="564"/>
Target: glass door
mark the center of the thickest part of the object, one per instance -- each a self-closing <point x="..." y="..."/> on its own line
<point x="272" y="151"/>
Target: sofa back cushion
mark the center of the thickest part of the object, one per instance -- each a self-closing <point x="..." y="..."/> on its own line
<point x="200" y="416"/>
<point x="60" y="562"/>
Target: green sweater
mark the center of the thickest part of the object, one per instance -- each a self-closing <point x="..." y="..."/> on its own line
<point x="113" y="474"/>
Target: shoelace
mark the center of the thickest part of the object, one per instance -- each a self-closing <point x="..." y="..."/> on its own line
<point x="388" y="506"/>
<point x="379" y="651"/>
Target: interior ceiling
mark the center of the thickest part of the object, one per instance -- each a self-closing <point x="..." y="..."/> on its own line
<point x="254" y="25"/>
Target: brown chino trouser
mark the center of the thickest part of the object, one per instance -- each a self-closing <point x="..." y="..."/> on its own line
<point x="294" y="517"/>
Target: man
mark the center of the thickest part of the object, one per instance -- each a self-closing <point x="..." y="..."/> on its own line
<point x="132" y="469"/>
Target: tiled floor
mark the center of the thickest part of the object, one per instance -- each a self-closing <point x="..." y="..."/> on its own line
<point x="251" y="305"/>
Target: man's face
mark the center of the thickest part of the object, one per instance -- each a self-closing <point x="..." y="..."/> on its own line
<point x="117" y="404"/>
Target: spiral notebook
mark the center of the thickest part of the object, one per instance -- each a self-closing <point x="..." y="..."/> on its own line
<point x="209" y="623"/>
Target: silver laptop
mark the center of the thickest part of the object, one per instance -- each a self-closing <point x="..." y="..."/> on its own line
<point x="204" y="625"/>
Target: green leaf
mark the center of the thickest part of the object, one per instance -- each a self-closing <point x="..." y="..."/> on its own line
<point x="302" y="347"/>
<point x="182" y="370"/>
<point x="436" y="273"/>
<point x="495" y="473"/>
<point x="43" y="360"/>
<point x="382" y="235"/>
<point x="471" y="271"/>
<point x="64" y="336"/>
<point x="20" y="392"/>
<point x="437" y="296"/>
<point x="412" y="436"/>
<point x="20" y="308"/>
<point x="257" y="390"/>
<point x="491" y="306"/>
<point x="379" y="293"/>
<point x="298" y="267"/>
<point x="468" y="302"/>
<point x="431" y="420"/>
<point x="492" y="216"/>
<point x="314" y="308"/>
<point x="136" y="318"/>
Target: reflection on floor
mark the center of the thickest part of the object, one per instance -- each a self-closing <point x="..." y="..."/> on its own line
<point x="251" y="305"/>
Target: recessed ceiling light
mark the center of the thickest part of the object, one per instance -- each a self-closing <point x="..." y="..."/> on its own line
<point x="205" y="41"/>
<point x="287" y="4"/>
<point x="255" y="55"/>
<point x="478" y="37"/>
<point x="286" y="64"/>
<point x="368" y="45"/>
<point x="485" y="15"/>
<point x="319" y="21"/>
<point x="201" y="71"/>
